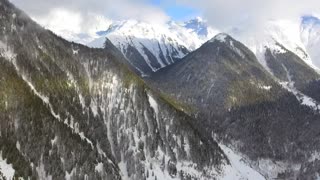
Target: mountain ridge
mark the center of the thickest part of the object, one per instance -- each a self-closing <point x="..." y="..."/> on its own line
<point x="72" y="112"/>
<point x="246" y="106"/>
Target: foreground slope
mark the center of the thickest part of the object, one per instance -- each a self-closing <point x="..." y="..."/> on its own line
<point x="71" y="112"/>
<point x="237" y="101"/>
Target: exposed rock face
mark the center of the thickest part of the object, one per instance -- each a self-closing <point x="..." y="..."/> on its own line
<point x="224" y="86"/>
<point x="71" y="112"/>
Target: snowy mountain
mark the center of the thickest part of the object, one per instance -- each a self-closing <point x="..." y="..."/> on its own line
<point x="150" y="47"/>
<point x="292" y="35"/>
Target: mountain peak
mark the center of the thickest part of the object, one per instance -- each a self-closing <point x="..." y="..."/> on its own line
<point x="221" y="37"/>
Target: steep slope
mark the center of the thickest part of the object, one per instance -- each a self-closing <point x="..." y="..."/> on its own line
<point x="217" y="64"/>
<point x="238" y="102"/>
<point x="281" y="49"/>
<point x="284" y="32"/>
<point x="294" y="74"/>
<point x="71" y="112"/>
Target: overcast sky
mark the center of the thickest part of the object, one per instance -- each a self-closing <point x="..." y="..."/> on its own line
<point x="83" y="15"/>
<point x="226" y="13"/>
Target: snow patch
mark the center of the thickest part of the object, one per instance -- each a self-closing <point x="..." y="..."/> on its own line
<point x="237" y="50"/>
<point x="83" y="137"/>
<point x="6" y="52"/>
<point x="123" y="169"/>
<point x="5" y="168"/>
<point x="271" y="169"/>
<point x="239" y="168"/>
<point x="54" y="141"/>
<point x="18" y="146"/>
<point x="68" y="175"/>
<point x="153" y="104"/>
<point x="99" y="168"/>
<point x="42" y="173"/>
<point x="75" y="51"/>
<point x="94" y="108"/>
<point x="100" y="151"/>
<point x="265" y="87"/>
<point x="314" y="156"/>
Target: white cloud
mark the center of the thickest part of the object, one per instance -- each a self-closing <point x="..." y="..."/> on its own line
<point x="219" y="13"/>
<point x="83" y="16"/>
<point x="61" y="19"/>
<point x="227" y="13"/>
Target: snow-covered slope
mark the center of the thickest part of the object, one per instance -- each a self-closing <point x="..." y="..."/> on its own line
<point x="149" y="47"/>
<point x="292" y="35"/>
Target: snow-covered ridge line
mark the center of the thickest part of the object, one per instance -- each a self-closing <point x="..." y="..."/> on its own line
<point x="293" y="35"/>
<point x="146" y="38"/>
<point x="150" y="47"/>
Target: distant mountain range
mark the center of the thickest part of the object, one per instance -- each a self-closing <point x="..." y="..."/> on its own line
<point x="150" y="47"/>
